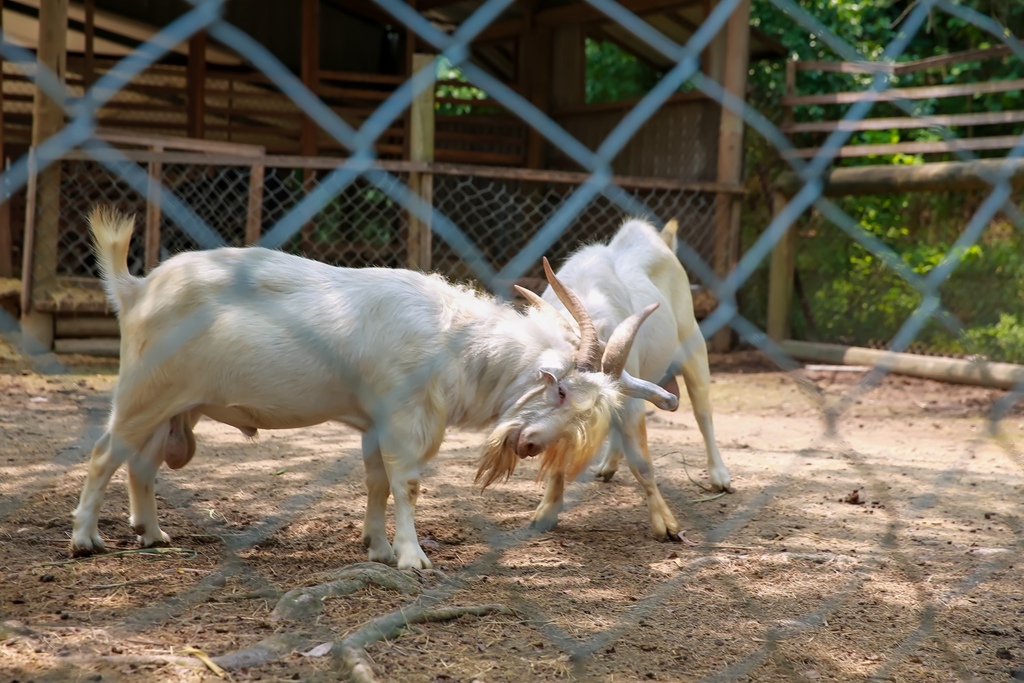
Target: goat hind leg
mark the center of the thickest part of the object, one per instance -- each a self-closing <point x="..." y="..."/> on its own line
<point x="378" y="489"/>
<point x="108" y="454"/>
<point x="697" y="376"/>
<point x="142" y="469"/>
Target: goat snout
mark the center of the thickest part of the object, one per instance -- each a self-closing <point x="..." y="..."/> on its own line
<point x="525" y="443"/>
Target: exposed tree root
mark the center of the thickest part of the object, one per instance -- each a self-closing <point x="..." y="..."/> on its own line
<point x="304" y="604"/>
<point x="352" y="649"/>
<point x="269" y="649"/>
<point x="140" y="660"/>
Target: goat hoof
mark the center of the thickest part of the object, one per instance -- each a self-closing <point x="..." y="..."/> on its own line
<point x="606" y="476"/>
<point x="677" y="537"/>
<point x="92" y="546"/>
<point x="161" y="541"/>
<point x="543" y="525"/>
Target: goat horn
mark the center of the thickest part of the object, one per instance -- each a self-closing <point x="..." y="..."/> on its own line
<point x="621" y="341"/>
<point x="588" y="358"/>
<point x="541" y="304"/>
<point x="648" y="391"/>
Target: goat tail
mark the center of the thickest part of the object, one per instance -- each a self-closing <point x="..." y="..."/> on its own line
<point x="112" y="234"/>
<point x="668" y="234"/>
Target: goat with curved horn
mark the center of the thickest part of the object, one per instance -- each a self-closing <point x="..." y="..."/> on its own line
<point x="638" y="267"/>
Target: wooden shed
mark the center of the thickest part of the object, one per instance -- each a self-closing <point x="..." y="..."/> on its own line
<point x="354" y="56"/>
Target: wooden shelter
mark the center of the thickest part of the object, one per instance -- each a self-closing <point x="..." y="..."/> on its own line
<point x="354" y="56"/>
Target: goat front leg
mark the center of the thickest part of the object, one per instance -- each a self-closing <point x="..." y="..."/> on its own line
<point x="697" y="376"/>
<point x="609" y="457"/>
<point x="638" y="457"/>
<point x="405" y="489"/>
<point x="403" y="448"/>
<point x="546" y="516"/>
<point x="378" y="489"/>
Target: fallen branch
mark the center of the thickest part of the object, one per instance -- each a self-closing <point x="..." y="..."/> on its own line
<point x="352" y="649"/>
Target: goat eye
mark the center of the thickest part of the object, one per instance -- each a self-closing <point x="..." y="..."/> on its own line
<point x="561" y="394"/>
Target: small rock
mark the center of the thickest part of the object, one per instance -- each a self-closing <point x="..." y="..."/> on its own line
<point x="1003" y="653"/>
<point x="853" y="498"/>
<point x="96" y="677"/>
<point x="47" y="578"/>
<point x="1017" y="674"/>
<point x="430" y="544"/>
<point x="993" y="630"/>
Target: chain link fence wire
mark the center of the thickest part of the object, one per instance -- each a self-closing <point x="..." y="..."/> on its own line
<point x="494" y="231"/>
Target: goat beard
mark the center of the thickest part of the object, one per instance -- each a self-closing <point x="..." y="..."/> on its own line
<point x="569" y="454"/>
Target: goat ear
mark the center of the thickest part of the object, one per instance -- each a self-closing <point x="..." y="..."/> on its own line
<point x="668" y="233"/>
<point x="548" y="376"/>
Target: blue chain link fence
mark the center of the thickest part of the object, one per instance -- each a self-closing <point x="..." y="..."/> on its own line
<point x="492" y="231"/>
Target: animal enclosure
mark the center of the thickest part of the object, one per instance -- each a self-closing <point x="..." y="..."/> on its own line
<point x="875" y="530"/>
<point x="890" y="550"/>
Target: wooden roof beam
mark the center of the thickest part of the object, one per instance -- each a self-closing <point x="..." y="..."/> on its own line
<point x="578" y="13"/>
<point x="363" y="10"/>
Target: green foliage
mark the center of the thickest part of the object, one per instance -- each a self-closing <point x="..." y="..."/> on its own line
<point x="453" y="84"/>
<point x="851" y="295"/>
<point x="614" y="74"/>
<point x="1003" y="340"/>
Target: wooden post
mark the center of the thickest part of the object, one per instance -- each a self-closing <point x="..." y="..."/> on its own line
<point x="714" y="55"/>
<point x="89" y="33"/>
<point x="254" y="212"/>
<point x="780" y="277"/>
<point x="6" y="234"/>
<point x="535" y="78"/>
<point x="421" y="148"/>
<point x="310" y="72"/>
<point x="153" y="213"/>
<point x="568" y="73"/>
<point x="40" y="280"/>
<point x="28" y="247"/>
<point x="730" y="150"/>
<point x="195" y="86"/>
<point x="410" y="57"/>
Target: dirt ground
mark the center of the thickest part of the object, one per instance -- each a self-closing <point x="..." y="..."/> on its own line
<point x="887" y="551"/>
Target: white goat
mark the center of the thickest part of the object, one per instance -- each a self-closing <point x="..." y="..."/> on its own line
<point x="639" y="267"/>
<point x="259" y="339"/>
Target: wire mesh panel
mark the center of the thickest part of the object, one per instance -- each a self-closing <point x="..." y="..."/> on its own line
<point x="872" y="530"/>
<point x="502" y="216"/>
